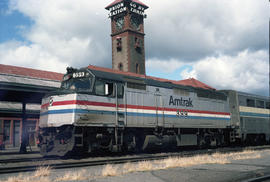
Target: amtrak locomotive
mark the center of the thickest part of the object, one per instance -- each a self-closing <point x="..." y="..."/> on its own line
<point x="99" y="109"/>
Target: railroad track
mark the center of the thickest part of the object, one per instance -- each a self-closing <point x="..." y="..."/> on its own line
<point x="121" y="159"/>
<point x="32" y="159"/>
<point x="259" y="179"/>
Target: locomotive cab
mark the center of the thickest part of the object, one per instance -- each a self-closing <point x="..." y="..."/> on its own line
<point x="66" y="110"/>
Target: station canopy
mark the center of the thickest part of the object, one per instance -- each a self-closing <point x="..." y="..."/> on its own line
<point x="18" y="84"/>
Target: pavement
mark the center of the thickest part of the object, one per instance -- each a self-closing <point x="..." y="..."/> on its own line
<point x="14" y="153"/>
<point x="16" y="150"/>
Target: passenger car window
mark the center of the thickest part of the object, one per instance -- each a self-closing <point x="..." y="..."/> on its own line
<point x="267" y="105"/>
<point x="259" y="104"/>
<point x="250" y="103"/>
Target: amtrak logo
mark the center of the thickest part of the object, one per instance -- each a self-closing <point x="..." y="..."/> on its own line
<point x="180" y="102"/>
<point x="51" y="101"/>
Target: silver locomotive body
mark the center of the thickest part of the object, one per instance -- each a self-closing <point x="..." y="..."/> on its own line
<point x="99" y="110"/>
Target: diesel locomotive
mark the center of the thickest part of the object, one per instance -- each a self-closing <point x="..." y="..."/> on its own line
<point x="103" y="109"/>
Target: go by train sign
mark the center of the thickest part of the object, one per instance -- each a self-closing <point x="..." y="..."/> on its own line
<point x="121" y="7"/>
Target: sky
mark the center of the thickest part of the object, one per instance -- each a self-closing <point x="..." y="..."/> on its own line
<point x="224" y="44"/>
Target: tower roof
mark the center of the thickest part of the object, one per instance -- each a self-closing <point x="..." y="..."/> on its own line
<point x="119" y="1"/>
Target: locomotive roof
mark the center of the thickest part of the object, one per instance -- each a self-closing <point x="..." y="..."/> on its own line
<point x="253" y="95"/>
<point x="110" y="74"/>
<point x="248" y="95"/>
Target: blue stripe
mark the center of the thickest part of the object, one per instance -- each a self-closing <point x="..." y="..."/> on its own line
<point x="254" y="114"/>
<point x="85" y="111"/>
<point x="78" y="111"/>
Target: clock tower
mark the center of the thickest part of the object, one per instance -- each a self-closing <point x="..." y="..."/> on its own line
<point x="128" y="52"/>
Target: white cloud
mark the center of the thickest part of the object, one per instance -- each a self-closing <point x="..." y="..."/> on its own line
<point x="189" y="73"/>
<point x="32" y="56"/>
<point x="209" y="34"/>
<point x="65" y="31"/>
<point x="191" y="30"/>
<point x="247" y="71"/>
<point x="165" y="66"/>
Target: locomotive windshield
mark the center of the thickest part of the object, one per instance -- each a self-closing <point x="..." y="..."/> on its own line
<point x="78" y="81"/>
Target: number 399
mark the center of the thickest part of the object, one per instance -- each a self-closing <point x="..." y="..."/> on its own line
<point x="181" y="113"/>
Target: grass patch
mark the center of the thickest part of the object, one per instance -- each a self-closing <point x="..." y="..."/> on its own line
<point x="74" y="176"/>
<point x="110" y="170"/>
<point x="44" y="174"/>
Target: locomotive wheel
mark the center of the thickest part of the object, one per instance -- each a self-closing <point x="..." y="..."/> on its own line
<point x="133" y="143"/>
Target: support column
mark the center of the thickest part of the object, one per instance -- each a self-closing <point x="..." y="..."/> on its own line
<point x="24" y="132"/>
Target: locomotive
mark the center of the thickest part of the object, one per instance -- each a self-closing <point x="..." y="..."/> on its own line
<point x="98" y="109"/>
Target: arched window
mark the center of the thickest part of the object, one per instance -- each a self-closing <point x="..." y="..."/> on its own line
<point x="137" y="68"/>
<point x="120" y="66"/>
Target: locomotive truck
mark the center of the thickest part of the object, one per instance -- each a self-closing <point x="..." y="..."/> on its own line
<point x="103" y="109"/>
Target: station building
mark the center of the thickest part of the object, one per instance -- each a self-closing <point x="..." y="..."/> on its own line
<point x="21" y="90"/>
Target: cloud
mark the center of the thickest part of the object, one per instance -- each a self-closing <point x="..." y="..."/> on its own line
<point x="247" y="71"/>
<point x="31" y="56"/>
<point x="192" y="30"/>
<point x="69" y="32"/>
<point x="205" y="34"/>
<point x="166" y="66"/>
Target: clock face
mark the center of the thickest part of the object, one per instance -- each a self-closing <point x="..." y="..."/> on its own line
<point x="119" y="23"/>
<point x="135" y="22"/>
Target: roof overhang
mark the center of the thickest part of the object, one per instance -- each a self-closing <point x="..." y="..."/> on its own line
<point x="15" y="92"/>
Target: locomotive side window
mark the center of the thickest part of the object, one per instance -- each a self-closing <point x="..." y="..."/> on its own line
<point x="250" y="103"/>
<point x="103" y="88"/>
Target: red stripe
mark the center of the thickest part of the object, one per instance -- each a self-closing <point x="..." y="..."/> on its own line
<point x="45" y="105"/>
<point x="81" y="102"/>
<point x="68" y="102"/>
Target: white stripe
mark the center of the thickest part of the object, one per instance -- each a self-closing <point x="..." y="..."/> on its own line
<point x="146" y="111"/>
<point x="254" y="110"/>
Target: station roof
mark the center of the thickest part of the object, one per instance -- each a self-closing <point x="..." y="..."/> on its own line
<point x="19" y="84"/>
<point x="28" y="72"/>
<point x="119" y="1"/>
<point x="195" y="83"/>
<point x="188" y="82"/>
